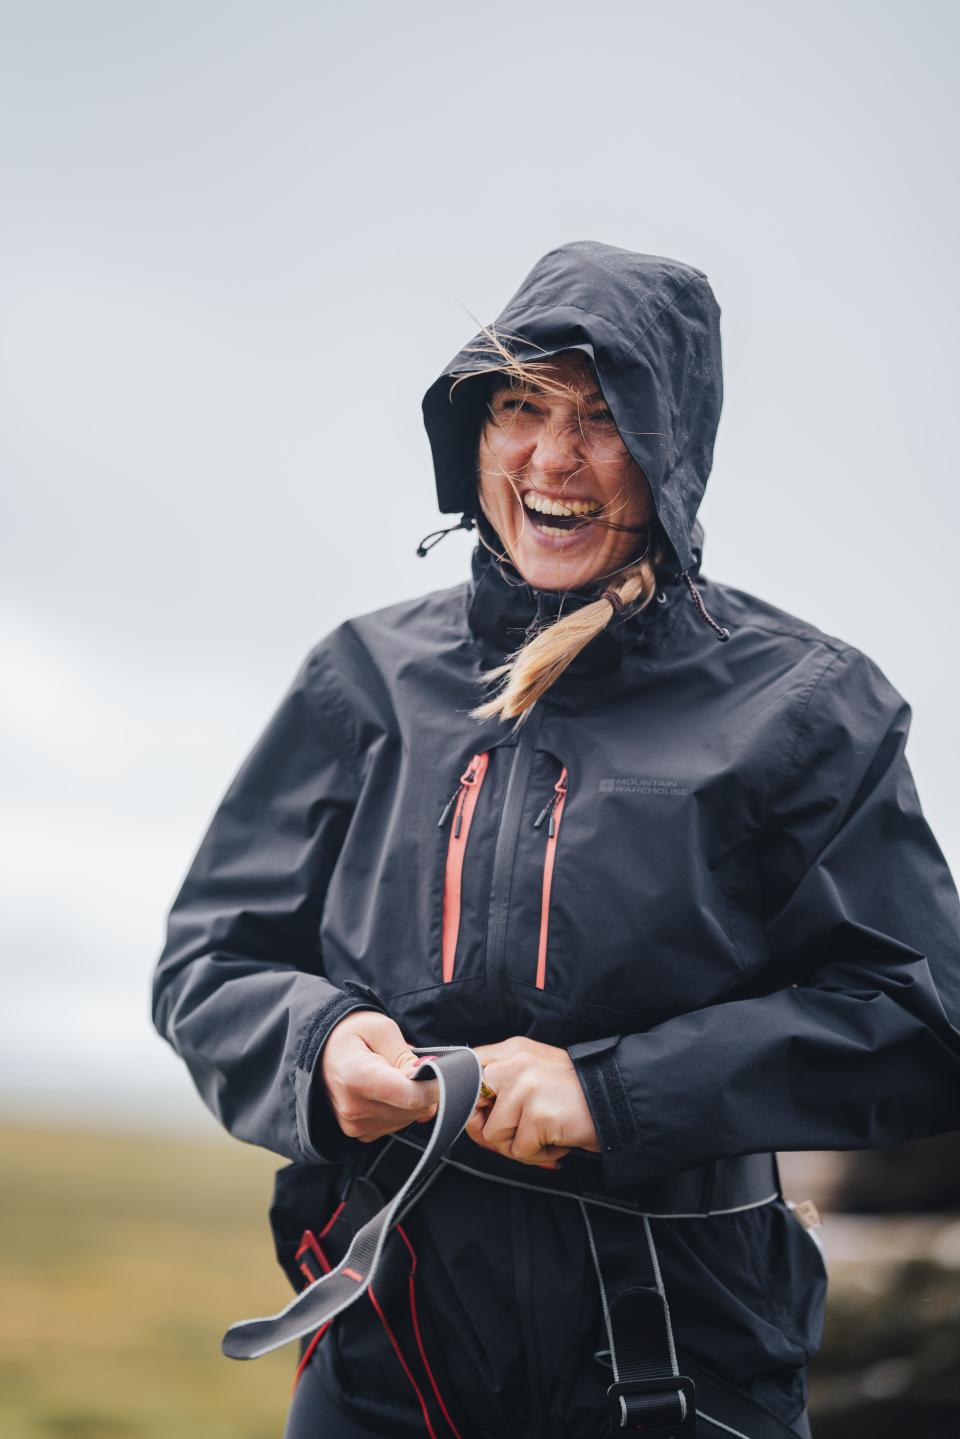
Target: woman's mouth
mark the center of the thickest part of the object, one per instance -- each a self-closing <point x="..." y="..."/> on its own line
<point x="557" y="518"/>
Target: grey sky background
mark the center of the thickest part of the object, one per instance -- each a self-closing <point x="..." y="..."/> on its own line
<point x="239" y="241"/>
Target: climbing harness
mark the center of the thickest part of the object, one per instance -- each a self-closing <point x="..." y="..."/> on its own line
<point x="648" y="1392"/>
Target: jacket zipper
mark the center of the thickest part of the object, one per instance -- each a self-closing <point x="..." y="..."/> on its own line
<point x="464" y="798"/>
<point x="504" y="854"/>
<point x="553" y="807"/>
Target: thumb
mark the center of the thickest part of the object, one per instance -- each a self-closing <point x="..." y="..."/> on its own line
<point x="390" y="1085"/>
<point x="425" y="1094"/>
<point x="384" y="1036"/>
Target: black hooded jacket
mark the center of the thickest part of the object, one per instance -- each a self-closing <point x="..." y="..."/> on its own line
<point x="750" y="940"/>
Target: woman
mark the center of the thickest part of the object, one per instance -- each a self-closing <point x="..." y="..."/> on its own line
<point x="647" y="843"/>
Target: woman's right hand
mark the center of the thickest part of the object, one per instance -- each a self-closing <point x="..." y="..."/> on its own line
<point x="364" y="1069"/>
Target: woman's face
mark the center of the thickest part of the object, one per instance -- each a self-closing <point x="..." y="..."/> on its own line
<point x="544" y="461"/>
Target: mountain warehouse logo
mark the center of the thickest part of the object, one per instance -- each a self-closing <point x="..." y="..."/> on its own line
<point x="642" y="784"/>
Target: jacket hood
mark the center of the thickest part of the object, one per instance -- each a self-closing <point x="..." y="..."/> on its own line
<point x="651" y="328"/>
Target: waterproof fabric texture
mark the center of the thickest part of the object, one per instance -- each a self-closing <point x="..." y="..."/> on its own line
<point x="751" y="940"/>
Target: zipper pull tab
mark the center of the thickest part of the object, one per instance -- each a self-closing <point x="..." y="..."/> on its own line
<point x="447" y="807"/>
<point x="543" y="813"/>
<point x="458" y="818"/>
<point x="468" y="778"/>
<point x="559" y="789"/>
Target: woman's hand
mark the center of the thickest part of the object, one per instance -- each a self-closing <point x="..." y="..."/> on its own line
<point x="363" y="1067"/>
<point x="540" y="1112"/>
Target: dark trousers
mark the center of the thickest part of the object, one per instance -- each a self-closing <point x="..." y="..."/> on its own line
<point x="313" y="1414"/>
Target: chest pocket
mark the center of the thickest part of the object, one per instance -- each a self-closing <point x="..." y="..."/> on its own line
<point x="621" y="895"/>
<point x="553" y="812"/>
<point x="458" y="813"/>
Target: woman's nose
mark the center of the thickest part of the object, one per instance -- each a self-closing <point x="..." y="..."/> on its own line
<point x="556" y="453"/>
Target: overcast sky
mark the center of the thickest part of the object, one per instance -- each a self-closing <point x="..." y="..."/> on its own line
<point x="239" y="240"/>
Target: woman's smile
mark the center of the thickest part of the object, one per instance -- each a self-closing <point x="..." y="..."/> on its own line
<point x="558" y="524"/>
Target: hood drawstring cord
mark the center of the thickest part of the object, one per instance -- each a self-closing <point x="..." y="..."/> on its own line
<point x="721" y="631"/>
<point x="465" y="522"/>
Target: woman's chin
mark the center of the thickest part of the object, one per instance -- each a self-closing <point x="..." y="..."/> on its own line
<point x="560" y="566"/>
<point x="562" y="560"/>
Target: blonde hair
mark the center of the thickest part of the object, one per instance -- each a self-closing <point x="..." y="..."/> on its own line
<point x="531" y="669"/>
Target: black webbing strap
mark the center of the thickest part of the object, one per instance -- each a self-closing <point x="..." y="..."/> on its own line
<point x="648" y="1392"/>
<point x="458" y="1074"/>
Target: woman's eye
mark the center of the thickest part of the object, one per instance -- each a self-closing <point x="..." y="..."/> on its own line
<point x="602" y="417"/>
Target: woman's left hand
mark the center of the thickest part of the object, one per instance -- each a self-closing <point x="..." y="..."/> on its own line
<point x="540" y="1112"/>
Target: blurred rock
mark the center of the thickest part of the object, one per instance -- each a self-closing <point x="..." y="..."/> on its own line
<point x="921" y="1177"/>
<point x="890" y="1362"/>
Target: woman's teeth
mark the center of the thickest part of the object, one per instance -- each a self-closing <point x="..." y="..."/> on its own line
<point x="569" y="513"/>
<point x="559" y="507"/>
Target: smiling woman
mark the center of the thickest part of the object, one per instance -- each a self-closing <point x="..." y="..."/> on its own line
<point x="679" y="898"/>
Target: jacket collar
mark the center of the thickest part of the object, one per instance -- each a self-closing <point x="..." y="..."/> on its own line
<point x="503" y="611"/>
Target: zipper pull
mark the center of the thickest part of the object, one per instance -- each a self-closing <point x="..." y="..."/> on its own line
<point x="559" y="790"/>
<point x="560" y="795"/>
<point x="468" y="778"/>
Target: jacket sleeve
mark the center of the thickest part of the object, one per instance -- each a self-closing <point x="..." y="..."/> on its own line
<point x="239" y="989"/>
<point x="854" y="1042"/>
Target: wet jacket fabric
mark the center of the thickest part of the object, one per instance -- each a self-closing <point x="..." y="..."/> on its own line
<point x="742" y="927"/>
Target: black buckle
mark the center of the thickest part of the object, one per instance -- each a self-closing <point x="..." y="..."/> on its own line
<point x="658" y="1428"/>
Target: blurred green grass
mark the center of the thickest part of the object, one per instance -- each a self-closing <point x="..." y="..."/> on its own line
<point x="123" y="1259"/>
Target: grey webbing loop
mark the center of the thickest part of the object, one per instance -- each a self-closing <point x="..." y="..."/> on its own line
<point x="458" y="1074"/>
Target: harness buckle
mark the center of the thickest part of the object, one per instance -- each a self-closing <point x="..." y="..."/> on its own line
<point x="663" y="1407"/>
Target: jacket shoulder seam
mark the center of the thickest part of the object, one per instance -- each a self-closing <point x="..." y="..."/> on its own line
<point x="791" y="626"/>
<point x="825" y="641"/>
<point x="334" y="713"/>
<point x="805" y="701"/>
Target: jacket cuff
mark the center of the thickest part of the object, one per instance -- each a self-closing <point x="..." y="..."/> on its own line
<point x="321" y="1138"/>
<point x="620" y="1147"/>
